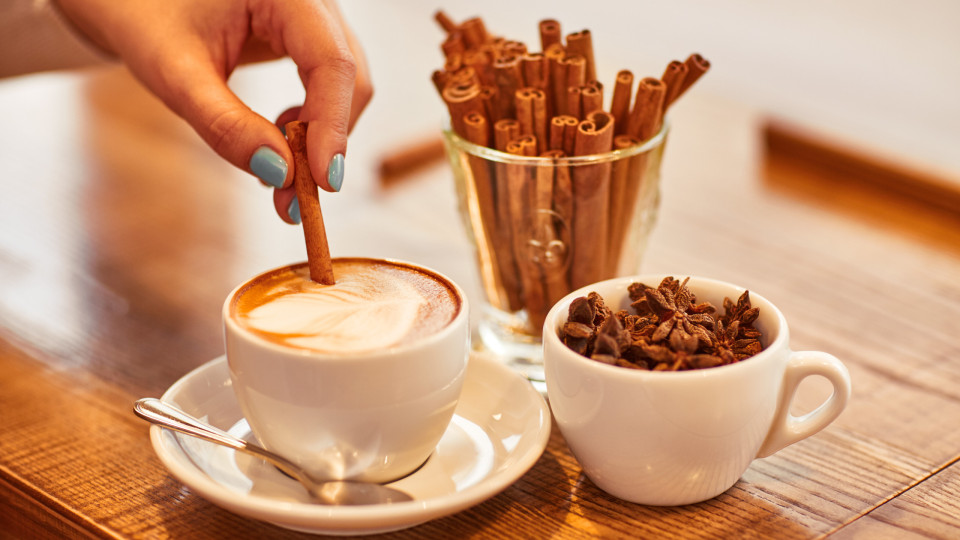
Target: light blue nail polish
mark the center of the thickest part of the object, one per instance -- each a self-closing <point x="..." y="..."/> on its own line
<point x="335" y="172"/>
<point x="268" y="166"/>
<point x="294" y="210"/>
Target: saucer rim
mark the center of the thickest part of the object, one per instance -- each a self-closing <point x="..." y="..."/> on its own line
<point x="357" y="519"/>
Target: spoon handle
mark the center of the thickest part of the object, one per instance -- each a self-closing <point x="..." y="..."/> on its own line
<point x="163" y="414"/>
<point x="166" y="415"/>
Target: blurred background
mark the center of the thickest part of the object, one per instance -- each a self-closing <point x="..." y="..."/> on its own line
<point x="882" y="74"/>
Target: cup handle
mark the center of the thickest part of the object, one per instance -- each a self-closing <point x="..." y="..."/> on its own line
<point x="787" y="429"/>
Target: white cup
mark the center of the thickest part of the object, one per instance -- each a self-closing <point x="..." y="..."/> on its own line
<point x="372" y="416"/>
<point x="673" y="438"/>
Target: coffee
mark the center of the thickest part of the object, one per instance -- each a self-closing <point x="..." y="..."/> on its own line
<point x="374" y="305"/>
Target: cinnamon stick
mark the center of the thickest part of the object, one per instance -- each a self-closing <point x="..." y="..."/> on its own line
<point x="453" y="45"/>
<point x="504" y="131"/>
<point x="508" y="78"/>
<point x="623" y="194"/>
<point x="496" y="271"/>
<point x="410" y="157"/>
<point x="591" y="99"/>
<point x="573" y="107"/>
<point x="647" y="113"/>
<point x="549" y="33"/>
<point x="696" y="67"/>
<point x="591" y="201"/>
<point x="474" y="32"/>
<point x="521" y="189"/>
<point x="462" y="99"/>
<point x="314" y="232"/>
<point x="554" y="197"/>
<point x="570" y="124"/>
<point x="620" y="102"/>
<point x="444" y="21"/>
<point x="556" y="79"/>
<point x="535" y="71"/>
<point x="673" y="76"/>
<point x="581" y="44"/>
<point x="576" y="71"/>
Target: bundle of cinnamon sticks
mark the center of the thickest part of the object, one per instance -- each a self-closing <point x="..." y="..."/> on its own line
<point x="543" y="228"/>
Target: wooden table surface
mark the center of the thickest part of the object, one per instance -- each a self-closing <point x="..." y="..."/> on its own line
<point x="121" y="233"/>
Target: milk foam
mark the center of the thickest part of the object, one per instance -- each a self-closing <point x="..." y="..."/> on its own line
<point x="360" y="312"/>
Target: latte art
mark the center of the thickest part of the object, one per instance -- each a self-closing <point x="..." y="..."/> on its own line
<point x="373" y="305"/>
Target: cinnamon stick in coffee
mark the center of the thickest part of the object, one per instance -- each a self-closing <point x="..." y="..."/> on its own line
<point x="314" y="232"/>
<point x="591" y="201"/>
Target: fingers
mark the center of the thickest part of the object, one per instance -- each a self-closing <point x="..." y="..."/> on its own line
<point x="197" y="91"/>
<point x="286" y="204"/>
<point x="315" y="40"/>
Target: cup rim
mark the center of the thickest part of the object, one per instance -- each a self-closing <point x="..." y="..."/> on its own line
<point x="551" y="323"/>
<point x="425" y="341"/>
<point x="504" y="157"/>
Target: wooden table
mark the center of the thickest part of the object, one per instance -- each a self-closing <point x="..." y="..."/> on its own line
<point x="122" y="233"/>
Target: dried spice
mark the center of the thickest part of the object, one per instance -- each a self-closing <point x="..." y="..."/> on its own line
<point x="669" y="330"/>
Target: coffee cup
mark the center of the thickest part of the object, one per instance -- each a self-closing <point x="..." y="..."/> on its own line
<point x="680" y="437"/>
<point x="357" y="380"/>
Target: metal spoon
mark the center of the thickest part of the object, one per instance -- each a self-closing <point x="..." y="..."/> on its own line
<point x="329" y="492"/>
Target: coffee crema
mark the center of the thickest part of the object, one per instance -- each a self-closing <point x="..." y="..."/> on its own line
<point x="374" y="304"/>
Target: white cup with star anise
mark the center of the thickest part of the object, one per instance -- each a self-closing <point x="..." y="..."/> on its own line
<point x="666" y="390"/>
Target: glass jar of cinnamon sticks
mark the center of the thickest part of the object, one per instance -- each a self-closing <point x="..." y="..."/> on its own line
<point x="556" y="191"/>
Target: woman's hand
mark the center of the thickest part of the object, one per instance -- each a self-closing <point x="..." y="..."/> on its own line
<point x="184" y="51"/>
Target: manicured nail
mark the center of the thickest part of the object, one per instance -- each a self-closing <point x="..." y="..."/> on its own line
<point x="335" y="172"/>
<point x="294" y="211"/>
<point x="268" y="166"/>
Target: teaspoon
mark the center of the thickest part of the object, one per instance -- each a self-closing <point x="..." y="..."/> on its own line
<point x="329" y="492"/>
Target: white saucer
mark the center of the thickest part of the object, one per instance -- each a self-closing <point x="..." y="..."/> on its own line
<point x="499" y="430"/>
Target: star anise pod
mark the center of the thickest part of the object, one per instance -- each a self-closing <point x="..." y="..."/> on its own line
<point x="670" y="358"/>
<point x="740" y="311"/>
<point x="675" y="317"/>
<point x="730" y="347"/>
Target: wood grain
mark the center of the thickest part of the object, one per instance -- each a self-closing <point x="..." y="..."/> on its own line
<point x="111" y="289"/>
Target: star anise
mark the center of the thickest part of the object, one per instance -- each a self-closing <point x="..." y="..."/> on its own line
<point x="740" y="311"/>
<point x="730" y="347"/>
<point x="670" y="330"/>
<point x="679" y="315"/>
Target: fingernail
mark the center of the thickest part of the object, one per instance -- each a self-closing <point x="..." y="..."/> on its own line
<point x="268" y="166"/>
<point x="335" y="172"/>
<point x="294" y="211"/>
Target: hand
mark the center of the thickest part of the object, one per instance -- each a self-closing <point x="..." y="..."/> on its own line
<point x="184" y="51"/>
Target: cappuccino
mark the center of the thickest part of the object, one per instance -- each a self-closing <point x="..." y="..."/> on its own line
<point x="375" y="304"/>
